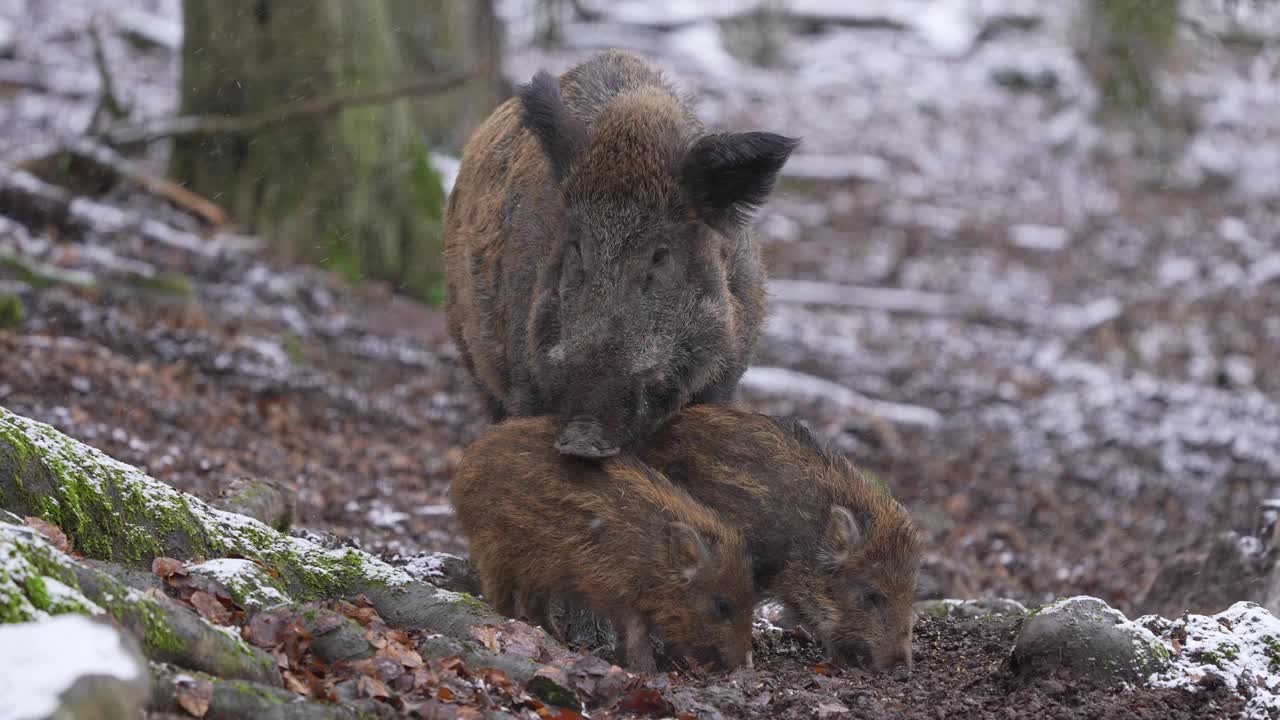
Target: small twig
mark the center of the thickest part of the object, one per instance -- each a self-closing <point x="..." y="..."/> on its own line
<point x="107" y="101"/>
<point x="105" y="159"/>
<point x="248" y="124"/>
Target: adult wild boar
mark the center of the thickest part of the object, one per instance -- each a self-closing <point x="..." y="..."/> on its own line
<point x="599" y="256"/>
<point x="615" y="535"/>
<point x="829" y="543"/>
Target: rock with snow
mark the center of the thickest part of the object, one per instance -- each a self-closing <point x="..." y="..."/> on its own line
<point x="250" y="585"/>
<point x="444" y="571"/>
<point x="70" y="667"/>
<point x="1240" y="646"/>
<point x="1084" y="636"/>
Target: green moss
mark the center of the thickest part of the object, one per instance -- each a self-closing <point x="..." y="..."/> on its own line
<point x="1229" y="650"/>
<point x="255" y="691"/>
<point x="12" y="312"/>
<point x="110" y="518"/>
<point x="1272" y="652"/>
<point x="37" y="592"/>
<point x="146" y="615"/>
<point x="471" y="602"/>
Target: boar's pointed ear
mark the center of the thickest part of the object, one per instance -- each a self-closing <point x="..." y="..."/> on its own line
<point x="689" y="551"/>
<point x="843" y="536"/>
<point x="729" y="175"/>
<point x="561" y="134"/>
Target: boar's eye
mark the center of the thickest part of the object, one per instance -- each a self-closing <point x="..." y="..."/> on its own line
<point x="721" y="608"/>
<point x="873" y="599"/>
<point x="660" y="255"/>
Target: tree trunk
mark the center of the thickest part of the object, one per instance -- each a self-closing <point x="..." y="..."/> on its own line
<point x="353" y="191"/>
<point x="436" y="35"/>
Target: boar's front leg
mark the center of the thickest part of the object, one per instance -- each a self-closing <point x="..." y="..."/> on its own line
<point x="639" y="648"/>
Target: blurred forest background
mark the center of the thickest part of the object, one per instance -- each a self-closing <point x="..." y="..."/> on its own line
<point x="1025" y="264"/>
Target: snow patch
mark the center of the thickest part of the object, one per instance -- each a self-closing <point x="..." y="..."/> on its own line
<point x="1240" y="645"/>
<point x="38" y="667"/>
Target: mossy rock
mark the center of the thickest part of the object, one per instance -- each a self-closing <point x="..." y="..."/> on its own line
<point x="1085" y="636"/>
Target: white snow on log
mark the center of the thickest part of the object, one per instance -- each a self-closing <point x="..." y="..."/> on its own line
<point x="243" y="574"/>
<point x="42" y="660"/>
<point x="151" y="29"/>
<point x="792" y="383"/>
<point x="1240" y="645"/>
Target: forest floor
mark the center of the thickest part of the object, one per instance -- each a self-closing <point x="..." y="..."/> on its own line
<point x="1084" y="366"/>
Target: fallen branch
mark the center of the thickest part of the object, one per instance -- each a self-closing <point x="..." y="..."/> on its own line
<point x="163" y="128"/>
<point x="103" y="159"/>
<point x="791" y="383"/>
<point x="112" y="511"/>
<point x="38" y="204"/>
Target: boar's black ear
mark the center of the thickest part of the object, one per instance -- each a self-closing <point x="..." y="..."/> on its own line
<point x="689" y="551"/>
<point x="729" y="175"/>
<point x="561" y="134"/>
<point x="843" y="537"/>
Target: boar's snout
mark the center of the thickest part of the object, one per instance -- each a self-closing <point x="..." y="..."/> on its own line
<point x="601" y="419"/>
<point x="585" y="437"/>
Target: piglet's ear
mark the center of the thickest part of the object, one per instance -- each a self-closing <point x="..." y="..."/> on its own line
<point x="561" y="134"/>
<point x="843" y="536"/>
<point x="689" y="552"/>
<point x="729" y="175"/>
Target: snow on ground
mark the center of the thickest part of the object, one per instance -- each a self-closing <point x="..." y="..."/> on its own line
<point x="38" y="667"/>
<point x="1240" y="646"/>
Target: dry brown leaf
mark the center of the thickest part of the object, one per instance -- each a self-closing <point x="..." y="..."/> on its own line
<point x="167" y="566"/>
<point x="194" y="696"/>
<point x="52" y="532"/>
<point x="369" y="686"/>
<point x="645" y="701"/>
<point x="296" y="684"/>
<point x="403" y="655"/>
<point x="264" y="629"/>
<point x="486" y="635"/>
<point x="209" y="607"/>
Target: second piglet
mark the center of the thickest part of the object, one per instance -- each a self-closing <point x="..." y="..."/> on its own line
<point x="615" y="535"/>
<point x="827" y="541"/>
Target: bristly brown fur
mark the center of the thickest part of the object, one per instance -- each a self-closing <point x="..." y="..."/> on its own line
<point x="773" y="479"/>
<point x="616" y="535"/>
<point x="599" y="257"/>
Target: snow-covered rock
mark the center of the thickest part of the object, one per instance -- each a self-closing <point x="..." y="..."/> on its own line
<point x="1240" y="645"/>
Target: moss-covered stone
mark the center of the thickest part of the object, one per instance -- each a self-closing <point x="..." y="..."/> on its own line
<point x="112" y="511"/>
